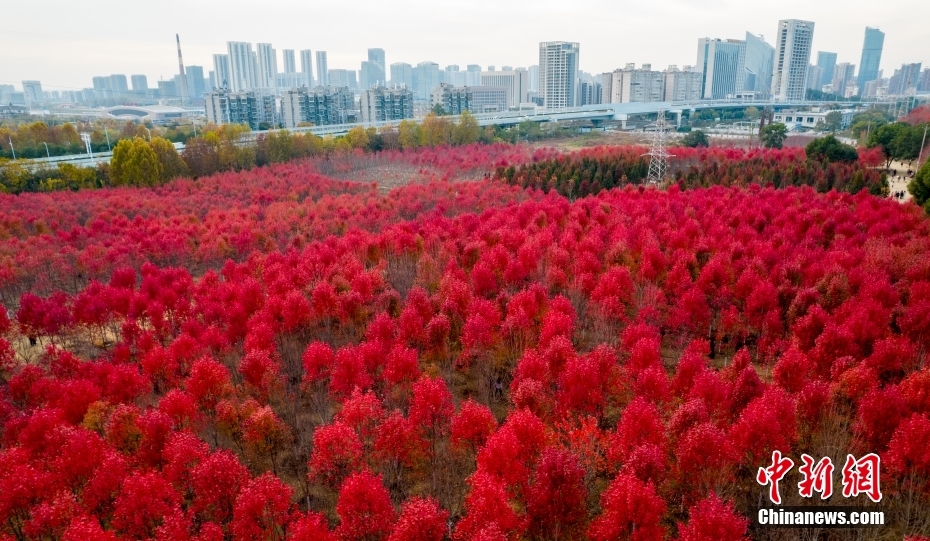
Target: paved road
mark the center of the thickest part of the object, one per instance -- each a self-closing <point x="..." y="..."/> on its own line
<point x="899" y="179"/>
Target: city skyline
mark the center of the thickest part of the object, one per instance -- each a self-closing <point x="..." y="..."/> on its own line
<point x="150" y="49"/>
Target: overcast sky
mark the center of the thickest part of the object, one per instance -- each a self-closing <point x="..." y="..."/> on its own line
<point x="65" y="43"/>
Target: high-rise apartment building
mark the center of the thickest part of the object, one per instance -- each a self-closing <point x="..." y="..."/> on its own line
<point x="221" y="71"/>
<point x="872" y="46"/>
<point x="322" y="69"/>
<point x="306" y="68"/>
<point x="607" y="85"/>
<point x="377" y="74"/>
<point x="369" y="75"/>
<point x="168" y="90"/>
<point x="517" y="83"/>
<point x="472" y="75"/>
<point x="474" y="99"/>
<point x="267" y="66"/>
<point x="923" y="85"/>
<point x="454" y="76"/>
<point x="722" y="63"/>
<point x="195" y="81"/>
<point x="382" y="104"/>
<point x="256" y="109"/>
<point x="425" y="79"/>
<point x="290" y="68"/>
<point x="534" y="77"/>
<point x="905" y="80"/>
<point x="558" y="73"/>
<point x="243" y="70"/>
<point x="590" y="92"/>
<point x="814" y="76"/>
<point x="792" y="56"/>
<point x="757" y="75"/>
<point x="319" y="106"/>
<point x="843" y="77"/>
<point x="118" y="84"/>
<point x="341" y="77"/>
<point x="402" y="74"/>
<point x="140" y="84"/>
<point x="872" y="89"/>
<point x="826" y="61"/>
<point x="101" y="83"/>
<point x="32" y="90"/>
<point x="636" y="85"/>
<point x="682" y="85"/>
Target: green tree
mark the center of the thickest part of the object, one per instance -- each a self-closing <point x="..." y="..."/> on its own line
<point x="752" y="113"/>
<point x="467" y="130"/>
<point x="882" y="137"/>
<point x="830" y="148"/>
<point x="529" y="130"/>
<point x="899" y="141"/>
<point x="920" y="186"/>
<point x="833" y="121"/>
<point x="438" y="110"/>
<point x="773" y="135"/>
<point x="134" y="163"/>
<point x="696" y="138"/>
<point x="863" y="123"/>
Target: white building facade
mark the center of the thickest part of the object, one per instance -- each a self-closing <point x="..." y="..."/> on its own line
<point x="792" y="57"/>
<point x="558" y="74"/>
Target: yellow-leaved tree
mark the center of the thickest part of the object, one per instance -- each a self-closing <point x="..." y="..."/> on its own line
<point x="134" y="163"/>
<point x="467" y="131"/>
<point x="358" y="137"/>
<point x="409" y="134"/>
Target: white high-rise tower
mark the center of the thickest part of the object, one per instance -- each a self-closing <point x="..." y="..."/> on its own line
<point x="306" y="68"/>
<point x="792" y="57"/>
<point x="322" y="69"/>
<point x="221" y="70"/>
<point x="267" y="66"/>
<point x="242" y="69"/>
<point x="558" y="74"/>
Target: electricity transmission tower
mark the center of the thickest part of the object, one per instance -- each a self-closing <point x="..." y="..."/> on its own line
<point x="658" y="155"/>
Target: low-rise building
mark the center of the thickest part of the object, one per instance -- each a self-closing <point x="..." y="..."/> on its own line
<point x="9" y="111"/>
<point x="319" y="106"/>
<point x="796" y="120"/>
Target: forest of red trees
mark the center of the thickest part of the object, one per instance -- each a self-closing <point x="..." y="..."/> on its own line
<point x="277" y="354"/>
